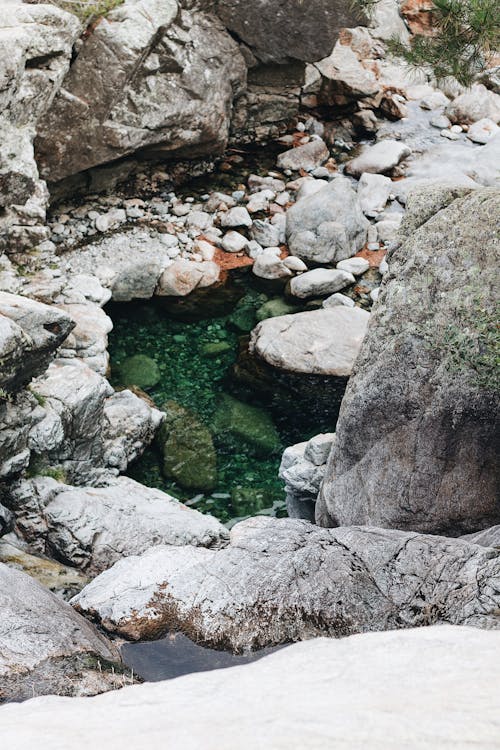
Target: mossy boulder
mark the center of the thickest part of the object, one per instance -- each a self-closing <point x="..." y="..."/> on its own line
<point x="139" y="370"/>
<point x="215" y="348"/>
<point x="247" y="501"/>
<point x="188" y="451"/>
<point x="248" y="423"/>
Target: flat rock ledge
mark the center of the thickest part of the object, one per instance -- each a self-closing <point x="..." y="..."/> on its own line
<point x="47" y="647"/>
<point x="288" y="580"/>
<point x="435" y="682"/>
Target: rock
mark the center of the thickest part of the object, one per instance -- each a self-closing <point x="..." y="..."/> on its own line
<point x="236" y="217"/>
<point x="473" y="105"/>
<point x="319" y="282"/>
<point x="91" y="528"/>
<point x="274" y="307"/>
<point x="306" y="157"/>
<point x="295" y="264"/>
<point x="318" y="448"/>
<point x="328" y="226"/>
<point x="373" y="192"/>
<point x="424" y="201"/>
<point x="46" y="647"/>
<point x="130" y="424"/>
<point x="324" y="342"/>
<point x="355" y="266"/>
<point x="234" y="242"/>
<point x="482" y="130"/>
<point x="139" y="370"/>
<point x="323" y="676"/>
<point x="265" y="233"/>
<point x="89" y="338"/>
<point x="184" y="276"/>
<point x="387" y="231"/>
<point x="414" y="447"/>
<point x="440" y="121"/>
<point x="268" y="266"/>
<point x="160" y="93"/>
<point x="344" y="79"/>
<point x="30" y="332"/>
<point x="276" y="34"/>
<point x="334" y="300"/>
<point x="302" y="469"/>
<point x="378" y="159"/>
<point x="436" y="100"/>
<point x="351" y="580"/>
<point x="486" y="537"/>
<point x="128" y="263"/>
<point x="60" y="579"/>
<point x="248" y="423"/>
<point x="309" y="186"/>
<point x="188" y="451"/>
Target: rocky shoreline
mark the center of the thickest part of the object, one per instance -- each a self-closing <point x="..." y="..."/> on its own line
<point x="373" y="240"/>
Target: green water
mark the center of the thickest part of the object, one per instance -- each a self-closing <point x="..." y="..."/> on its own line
<point x="195" y="359"/>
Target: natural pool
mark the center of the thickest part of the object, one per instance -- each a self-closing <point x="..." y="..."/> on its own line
<point x="206" y="405"/>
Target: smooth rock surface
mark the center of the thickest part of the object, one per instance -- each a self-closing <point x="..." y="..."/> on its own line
<point x="284" y="580"/>
<point x="324" y="342"/>
<point x="45" y="646"/>
<point x="378" y="159"/>
<point x="319" y="282"/>
<point x="91" y="528"/>
<point x="389" y="677"/>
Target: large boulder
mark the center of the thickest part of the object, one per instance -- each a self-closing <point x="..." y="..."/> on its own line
<point x="171" y="76"/>
<point x="30" y="333"/>
<point x="92" y="528"/>
<point x="46" y="647"/>
<point x="327" y="226"/>
<point x="416" y="436"/>
<point x="412" y="685"/>
<point x="278" y="32"/>
<point x="321" y="342"/>
<point x="288" y="580"/>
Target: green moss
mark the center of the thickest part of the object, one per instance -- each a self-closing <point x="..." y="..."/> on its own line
<point x="37" y="468"/>
<point x="41" y="399"/>
<point x="86" y="10"/>
<point x="139" y="370"/>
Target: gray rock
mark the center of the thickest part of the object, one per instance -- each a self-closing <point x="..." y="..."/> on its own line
<point x="92" y="528"/>
<point x="319" y="282"/>
<point x="328" y="226"/>
<point x="30" y="332"/>
<point x="306" y="157"/>
<point x="354" y="266"/>
<point x="236" y="217"/>
<point x="344" y="79"/>
<point x="338" y="299"/>
<point x="170" y="82"/>
<point x="318" y="448"/>
<point x="129" y="424"/>
<point x="324" y="342"/>
<point x="265" y="233"/>
<point x="89" y="338"/>
<point x="269" y="266"/>
<point x="234" y="242"/>
<point x="276" y="33"/>
<point x="486" y="537"/>
<point x="415" y="436"/>
<point x="45" y="646"/>
<point x="363" y="675"/>
<point x="378" y="159"/>
<point x="351" y="580"/>
<point x="482" y="130"/>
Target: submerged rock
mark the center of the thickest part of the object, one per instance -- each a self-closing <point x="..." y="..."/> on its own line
<point x="188" y="451"/>
<point x="287" y="580"/>
<point x="46" y="647"/>
<point x="248" y="423"/>
<point x="416" y="436"/>
<point x="139" y="370"/>
<point x="328" y="226"/>
<point x="441" y="673"/>
<point x="93" y="527"/>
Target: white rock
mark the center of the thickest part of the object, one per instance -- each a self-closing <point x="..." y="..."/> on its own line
<point x="434" y="101"/>
<point x="380" y="158"/>
<point x="450" y="135"/>
<point x="269" y="266"/>
<point x="373" y="192"/>
<point x="295" y="264"/>
<point x="440" y="121"/>
<point x="183" y="276"/>
<point x="320" y="281"/>
<point x="374" y="294"/>
<point x="482" y="130"/>
<point x="387" y="230"/>
<point x="318" y="448"/>
<point x="306" y="157"/>
<point x="236" y="217"/>
<point x="384" y="266"/>
<point x="355" y="266"/>
<point x="233" y="242"/>
<point x="308" y="187"/>
<point x="475" y="104"/>
<point x="334" y="300"/>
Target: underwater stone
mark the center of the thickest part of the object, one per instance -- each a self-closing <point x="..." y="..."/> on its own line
<point x="249" y="423"/>
<point x="140" y="370"/>
<point x="188" y="451"/>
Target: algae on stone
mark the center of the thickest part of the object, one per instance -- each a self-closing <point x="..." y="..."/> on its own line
<point x="139" y="370"/>
<point x="251" y="424"/>
<point x="188" y="451"/>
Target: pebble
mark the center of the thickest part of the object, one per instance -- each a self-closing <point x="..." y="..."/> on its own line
<point x="375" y="293"/>
<point x="236" y="217"/>
<point x="337" y="299"/>
<point x="356" y="266"/>
<point x="452" y="136"/>
<point x="233" y="242"/>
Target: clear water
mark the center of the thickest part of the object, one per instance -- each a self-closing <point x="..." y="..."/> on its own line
<point x="247" y="481"/>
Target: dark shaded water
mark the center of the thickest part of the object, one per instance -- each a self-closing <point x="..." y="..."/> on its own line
<point x="176" y="655"/>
